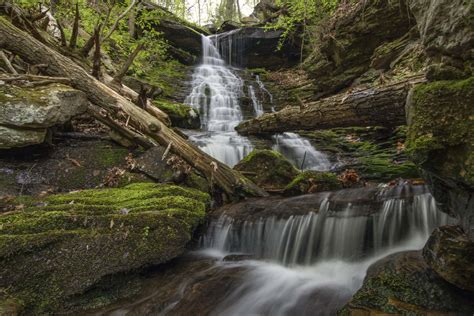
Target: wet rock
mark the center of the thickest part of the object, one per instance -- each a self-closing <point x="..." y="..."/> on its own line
<point x="238" y="257"/>
<point x="52" y="252"/>
<point x="441" y="139"/>
<point x="227" y="26"/>
<point x="27" y="112"/>
<point x="450" y="253"/>
<point x="181" y="115"/>
<point x="257" y="47"/>
<point x="268" y="169"/>
<point x="312" y="182"/>
<point x="403" y="283"/>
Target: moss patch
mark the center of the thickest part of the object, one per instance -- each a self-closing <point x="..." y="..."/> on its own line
<point x="181" y="115"/>
<point x="441" y="134"/>
<point x="313" y="181"/>
<point x="268" y="169"/>
<point x="63" y="244"/>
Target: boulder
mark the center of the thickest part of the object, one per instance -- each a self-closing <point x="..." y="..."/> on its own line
<point x="268" y="169"/>
<point x="59" y="246"/>
<point x="403" y="284"/>
<point x="450" y="253"/>
<point x="440" y="140"/>
<point x="312" y="182"/>
<point x="181" y="115"/>
<point x="27" y="112"/>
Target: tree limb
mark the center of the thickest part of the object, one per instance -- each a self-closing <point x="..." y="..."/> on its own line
<point x="75" y="29"/>
<point x="121" y="16"/>
<point x="7" y="63"/>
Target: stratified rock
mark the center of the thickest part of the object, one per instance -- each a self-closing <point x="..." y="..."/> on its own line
<point x="403" y="283"/>
<point x="268" y="169"/>
<point x="450" y="253"/>
<point x="440" y="140"/>
<point x="27" y="112"/>
<point x="181" y="115"/>
<point x="312" y="182"/>
<point x="59" y="246"/>
<point x="346" y="48"/>
<point x="256" y="47"/>
<point x="446" y="26"/>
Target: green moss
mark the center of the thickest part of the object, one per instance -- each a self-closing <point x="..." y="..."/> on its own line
<point x="181" y="115"/>
<point x="313" y="181"/>
<point x="441" y="134"/>
<point x="267" y="168"/>
<point x="86" y="235"/>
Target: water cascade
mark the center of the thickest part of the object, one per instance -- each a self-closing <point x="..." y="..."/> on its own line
<point x="215" y="93"/>
<point x="257" y="105"/>
<point x="315" y="262"/>
<point x="300" y="152"/>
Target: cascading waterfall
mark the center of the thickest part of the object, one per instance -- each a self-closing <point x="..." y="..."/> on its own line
<point x="257" y="105"/>
<point x="313" y="263"/>
<point x="215" y="93"/>
<point x="301" y="152"/>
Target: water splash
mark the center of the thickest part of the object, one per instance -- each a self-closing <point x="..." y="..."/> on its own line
<point x="300" y="151"/>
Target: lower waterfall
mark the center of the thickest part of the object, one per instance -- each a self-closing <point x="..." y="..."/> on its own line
<point x="317" y="260"/>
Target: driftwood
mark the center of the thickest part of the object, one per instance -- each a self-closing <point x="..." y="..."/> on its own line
<point x="118" y="108"/>
<point x="383" y="105"/>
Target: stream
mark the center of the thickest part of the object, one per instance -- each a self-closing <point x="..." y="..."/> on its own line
<point x="302" y="263"/>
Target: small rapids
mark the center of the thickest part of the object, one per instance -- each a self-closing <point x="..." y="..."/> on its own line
<point x="312" y="264"/>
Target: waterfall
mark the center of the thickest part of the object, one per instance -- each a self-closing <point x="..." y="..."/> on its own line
<point x="315" y="262"/>
<point x="215" y="93"/>
<point x="300" y="151"/>
<point x="257" y="106"/>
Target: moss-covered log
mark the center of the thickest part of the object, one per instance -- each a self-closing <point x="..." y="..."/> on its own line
<point x="118" y="107"/>
<point x="378" y="106"/>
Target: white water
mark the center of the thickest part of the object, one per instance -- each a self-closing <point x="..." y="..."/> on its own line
<point x="300" y="152"/>
<point x="312" y="264"/>
<point x="216" y="92"/>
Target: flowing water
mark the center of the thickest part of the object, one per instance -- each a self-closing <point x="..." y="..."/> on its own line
<point x="317" y="260"/>
<point x="216" y="93"/>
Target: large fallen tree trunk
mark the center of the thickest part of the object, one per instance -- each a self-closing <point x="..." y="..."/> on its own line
<point x="117" y="107"/>
<point x="384" y="105"/>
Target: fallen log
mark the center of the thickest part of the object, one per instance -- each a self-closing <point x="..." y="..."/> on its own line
<point x="383" y="105"/>
<point x="119" y="108"/>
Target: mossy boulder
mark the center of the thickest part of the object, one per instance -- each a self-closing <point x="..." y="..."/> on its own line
<point x="268" y="169"/>
<point x="313" y="181"/>
<point x="59" y="246"/>
<point x="181" y="115"/>
<point x="403" y="284"/>
<point x="441" y="141"/>
<point x="450" y="253"/>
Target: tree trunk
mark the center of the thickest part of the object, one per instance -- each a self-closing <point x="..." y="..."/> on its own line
<point x="97" y="56"/>
<point x="123" y="71"/>
<point x="118" y="108"/>
<point x="75" y="29"/>
<point x="384" y="105"/>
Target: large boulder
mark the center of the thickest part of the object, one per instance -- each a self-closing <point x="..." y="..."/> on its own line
<point x="59" y="246"/>
<point x="268" y="169"/>
<point x="403" y="284"/>
<point x="440" y="140"/>
<point x="27" y="112"/>
<point x="450" y="253"/>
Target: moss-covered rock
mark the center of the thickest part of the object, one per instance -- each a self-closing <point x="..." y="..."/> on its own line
<point x="313" y="181"/>
<point x="63" y="244"/>
<point x="181" y="115"/>
<point x="403" y="284"/>
<point x="450" y="253"/>
<point x="441" y="141"/>
<point x="268" y="169"/>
